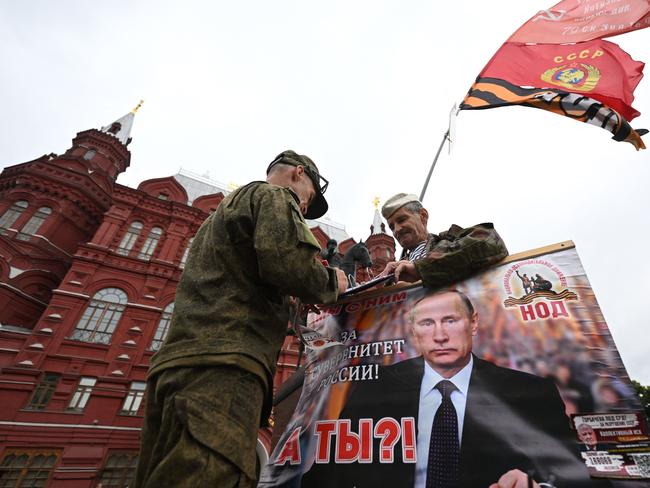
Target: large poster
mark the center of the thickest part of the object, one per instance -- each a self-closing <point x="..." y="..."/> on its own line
<point x="513" y="369"/>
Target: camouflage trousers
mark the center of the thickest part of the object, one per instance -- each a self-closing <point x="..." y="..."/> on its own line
<point x="200" y="429"/>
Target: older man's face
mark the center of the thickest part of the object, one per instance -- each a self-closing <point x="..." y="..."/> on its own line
<point x="442" y="330"/>
<point x="409" y="228"/>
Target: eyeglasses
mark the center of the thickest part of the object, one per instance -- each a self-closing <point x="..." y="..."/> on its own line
<point x="320" y="183"/>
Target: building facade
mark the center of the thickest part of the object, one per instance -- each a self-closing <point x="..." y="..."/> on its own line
<point x="88" y="273"/>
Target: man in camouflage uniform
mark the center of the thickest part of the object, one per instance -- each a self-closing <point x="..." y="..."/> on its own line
<point x="210" y="385"/>
<point x="440" y="259"/>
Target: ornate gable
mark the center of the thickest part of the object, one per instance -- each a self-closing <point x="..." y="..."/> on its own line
<point x="165" y="188"/>
<point x="208" y="203"/>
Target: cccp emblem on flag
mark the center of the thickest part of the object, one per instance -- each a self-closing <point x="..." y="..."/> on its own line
<point x="574" y="77"/>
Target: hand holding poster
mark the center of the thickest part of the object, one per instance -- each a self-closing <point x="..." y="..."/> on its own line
<point x="492" y="366"/>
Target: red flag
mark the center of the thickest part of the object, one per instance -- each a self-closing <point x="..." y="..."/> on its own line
<point x="591" y="80"/>
<point x="584" y="20"/>
<point x="598" y="69"/>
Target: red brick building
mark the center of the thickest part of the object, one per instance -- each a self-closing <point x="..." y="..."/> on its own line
<point x="88" y="273"/>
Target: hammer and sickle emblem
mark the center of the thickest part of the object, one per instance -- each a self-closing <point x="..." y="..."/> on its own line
<point x="550" y="15"/>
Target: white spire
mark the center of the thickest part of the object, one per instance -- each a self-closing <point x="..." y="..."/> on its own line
<point x="121" y="128"/>
<point x="377" y="226"/>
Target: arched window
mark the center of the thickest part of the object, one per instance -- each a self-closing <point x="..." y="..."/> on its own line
<point x="90" y="154"/>
<point x="27" y="467"/>
<point x="100" y="318"/>
<point x="34" y="223"/>
<point x="163" y="327"/>
<point x="11" y="215"/>
<point x="186" y="253"/>
<point x="129" y="238"/>
<point x="150" y="244"/>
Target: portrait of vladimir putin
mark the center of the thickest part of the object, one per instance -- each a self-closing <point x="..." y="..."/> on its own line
<point x="478" y="424"/>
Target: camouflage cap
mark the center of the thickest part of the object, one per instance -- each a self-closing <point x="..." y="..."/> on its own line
<point x="318" y="205"/>
<point x="394" y="203"/>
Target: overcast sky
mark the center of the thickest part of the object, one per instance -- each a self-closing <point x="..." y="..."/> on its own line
<point x="364" y="88"/>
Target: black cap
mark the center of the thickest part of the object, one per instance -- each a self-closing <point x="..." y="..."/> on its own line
<point x="318" y="205"/>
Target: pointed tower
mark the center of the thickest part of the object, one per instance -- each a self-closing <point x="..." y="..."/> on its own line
<point x="378" y="226"/>
<point x="121" y="128"/>
<point x="48" y="208"/>
<point x="102" y="153"/>
<point x="380" y="245"/>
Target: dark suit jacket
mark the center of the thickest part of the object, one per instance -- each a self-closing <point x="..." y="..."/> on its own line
<point x="513" y="420"/>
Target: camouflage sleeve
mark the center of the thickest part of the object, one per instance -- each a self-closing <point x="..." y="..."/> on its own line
<point x="287" y="251"/>
<point x="460" y="253"/>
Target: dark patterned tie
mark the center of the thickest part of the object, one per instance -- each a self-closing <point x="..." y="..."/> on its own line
<point x="444" y="450"/>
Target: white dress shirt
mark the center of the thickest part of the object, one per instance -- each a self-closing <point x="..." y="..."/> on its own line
<point x="430" y="400"/>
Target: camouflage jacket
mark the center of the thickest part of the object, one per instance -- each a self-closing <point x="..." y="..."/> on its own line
<point x="231" y="303"/>
<point x="457" y="253"/>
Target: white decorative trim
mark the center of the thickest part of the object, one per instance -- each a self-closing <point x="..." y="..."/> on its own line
<point x="13" y="272"/>
<point x="26" y="362"/>
<point x="52" y="244"/>
<point x="20" y="292"/>
<point x="14" y="329"/>
<point x="36" y="345"/>
<point x="17" y="382"/>
<point x="148" y="307"/>
<point x="45" y="330"/>
<point x="73" y="426"/>
<point x="71" y="293"/>
<point x="81" y="295"/>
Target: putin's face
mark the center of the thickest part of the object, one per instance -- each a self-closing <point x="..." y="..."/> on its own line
<point x="442" y="329"/>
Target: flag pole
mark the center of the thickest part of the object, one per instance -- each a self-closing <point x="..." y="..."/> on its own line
<point x="445" y="137"/>
<point x="433" y="165"/>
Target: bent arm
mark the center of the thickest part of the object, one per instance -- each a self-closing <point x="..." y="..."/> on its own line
<point x="287" y="250"/>
<point x="459" y="253"/>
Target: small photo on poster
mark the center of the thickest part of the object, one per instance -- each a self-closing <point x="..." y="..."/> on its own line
<point x="614" y="445"/>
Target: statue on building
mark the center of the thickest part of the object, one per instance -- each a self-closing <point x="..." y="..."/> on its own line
<point x="331" y="254"/>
